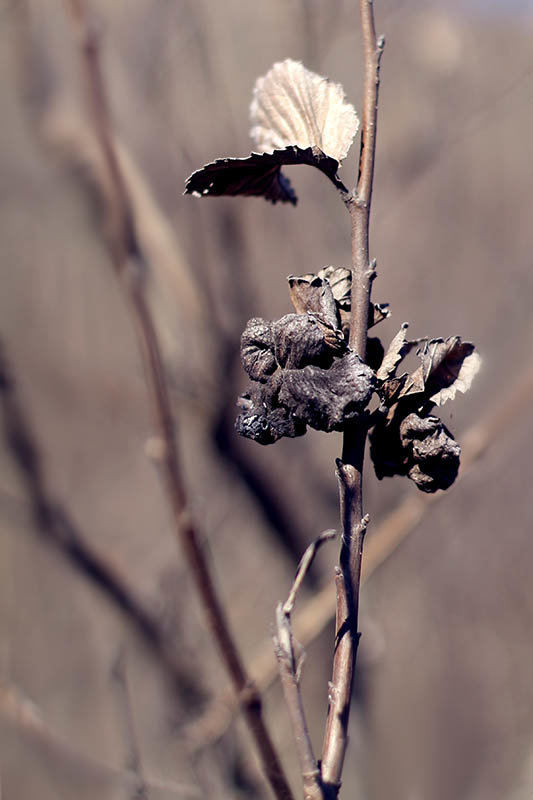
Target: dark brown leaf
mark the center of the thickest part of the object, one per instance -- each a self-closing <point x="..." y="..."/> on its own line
<point x="326" y="399"/>
<point x="300" y="339"/>
<point x="259" y="175"/>
<point x="378" y="312"/>
<point x="420" y="447"/>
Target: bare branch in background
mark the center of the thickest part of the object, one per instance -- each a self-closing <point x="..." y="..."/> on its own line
<point x="131" y="266"/>
<point x="19" y="711"/>
<point x="54" y="523"/>
<point x="133" y="753"/>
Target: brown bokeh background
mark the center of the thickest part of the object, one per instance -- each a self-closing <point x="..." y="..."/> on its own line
<point x="444" y="698"/>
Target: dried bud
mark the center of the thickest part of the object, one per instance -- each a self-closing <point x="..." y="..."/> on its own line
<point x="420" y="447"/>
<point x="434" y="451"/>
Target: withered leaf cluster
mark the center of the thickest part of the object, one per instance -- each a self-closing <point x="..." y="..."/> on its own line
<point x="302" y="373"/>
<point x="408" y="439"/>
<point x="298" y="117"/>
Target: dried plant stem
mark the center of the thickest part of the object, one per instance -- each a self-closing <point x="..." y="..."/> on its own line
<point x="289" y="664"/>
<point x="350" y="470"/>
<point x="131" y="266"/>
<point x="289" y="668"/>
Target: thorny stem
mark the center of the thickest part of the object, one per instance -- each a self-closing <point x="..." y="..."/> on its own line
<point x="350" y="469"/>
<point x="130" y="265"/>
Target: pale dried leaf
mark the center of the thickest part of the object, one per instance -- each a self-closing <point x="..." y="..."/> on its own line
<point x="447" y="366"/>
<point x="456" y="372"/>
<point x="294" y="106"/>
<point x="394" y="354"/>
<point x="340" y="280"/>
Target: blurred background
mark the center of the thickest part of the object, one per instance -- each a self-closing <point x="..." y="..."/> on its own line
<point x="443" y="704"/>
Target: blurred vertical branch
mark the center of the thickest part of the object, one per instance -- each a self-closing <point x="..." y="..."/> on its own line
<point x="134" y="764"/>
<point x="131" y="266"/>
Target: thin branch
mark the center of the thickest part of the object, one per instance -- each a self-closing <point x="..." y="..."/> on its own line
<point x="133" y="751"/>
<point x="290" y="664"/>
<point x="130" y="264"/>
<point x="18" y="710"/>
<point x="359" y="202"/>
<point x="304" y="566"/>
<point x="350" y="469"/>
<point x="56" y="526"/>
<point x="289" y="667"/>
<point x="346" y="635"/>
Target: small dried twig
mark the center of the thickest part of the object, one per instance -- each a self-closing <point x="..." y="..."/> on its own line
<point x="290" y="664"/>
<point x="131" y="266"/>
<point x="304" y="566"/>
<point x="350" y="470"/>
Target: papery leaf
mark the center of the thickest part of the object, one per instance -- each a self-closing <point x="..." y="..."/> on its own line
<point x="326" y="399"/>
<point x="397" y="349"/>
<point x="340" y="280"/>
<point x="310" y="293"/>
<point x="454" y="369"/>
<point x="294" y="106"/>
<point x="392" y="389"/>
<point x="304" y="287"/>
<point x="378" y="312"/>
<point x="259" y="174"/>
<point x="448" y="365"/>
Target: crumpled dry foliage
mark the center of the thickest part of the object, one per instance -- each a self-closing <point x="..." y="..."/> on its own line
<point x="297" y="117"/>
